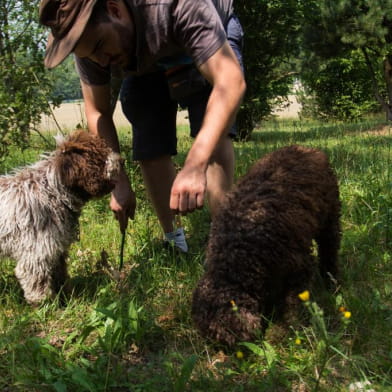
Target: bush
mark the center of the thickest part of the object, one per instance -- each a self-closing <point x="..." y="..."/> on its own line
<point x="340" y="89"/>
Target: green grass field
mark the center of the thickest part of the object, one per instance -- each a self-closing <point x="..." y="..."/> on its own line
<point x="132" y="331"/>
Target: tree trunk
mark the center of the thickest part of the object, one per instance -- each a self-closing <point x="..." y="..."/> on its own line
<point x="386" y="105"/>
<point x="388" y="84"/>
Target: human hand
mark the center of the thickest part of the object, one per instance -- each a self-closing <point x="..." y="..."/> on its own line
<point x="188" y="190"/>
<point x="123" y="201"/>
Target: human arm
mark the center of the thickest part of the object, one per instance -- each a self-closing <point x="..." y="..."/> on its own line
<point x="223" y="71"/>
<point x="100" y="122"/>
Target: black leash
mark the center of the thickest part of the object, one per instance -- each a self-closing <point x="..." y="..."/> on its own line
<point x="122" y="250"/>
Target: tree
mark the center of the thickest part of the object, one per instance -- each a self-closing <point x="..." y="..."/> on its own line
<point x="355" y="30"/>
<point x="66" y="82"/>
<point x="338" y="88"/>
<point x="270" y="43"/>
<point x="25" y="88"/>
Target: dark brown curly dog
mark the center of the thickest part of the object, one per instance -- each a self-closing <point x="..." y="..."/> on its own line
<point x="259" y="251"/>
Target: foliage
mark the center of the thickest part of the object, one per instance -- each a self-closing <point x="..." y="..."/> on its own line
<point x="25" y="87"/>
<point x="270" y="42"/>
<point x="337" y="88"/>
<point x="132" y="330"/>
<point x="65" y="79"/>
<point x="344" y="32"/>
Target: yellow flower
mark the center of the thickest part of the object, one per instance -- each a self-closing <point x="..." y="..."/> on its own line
<point x="233" y="305"/>
<point x="304" y="296"/>
<point x="298" y="341"/>
<point x="342" y="309"/>
<point x="347" y="314"/>
<point x="239" y="354"/>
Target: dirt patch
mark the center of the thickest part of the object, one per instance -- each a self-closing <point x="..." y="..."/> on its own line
<point x="290" y="110"/>
<point x="382" y="130"/>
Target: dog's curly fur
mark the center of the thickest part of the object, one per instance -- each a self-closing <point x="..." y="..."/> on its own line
<point x="259" y="251"/>
<point x="40" y="206"/>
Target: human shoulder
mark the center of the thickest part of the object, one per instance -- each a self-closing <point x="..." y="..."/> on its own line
<point x="199" y="28"/>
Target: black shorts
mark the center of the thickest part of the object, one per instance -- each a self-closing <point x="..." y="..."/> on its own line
<point x="148" y="106"/>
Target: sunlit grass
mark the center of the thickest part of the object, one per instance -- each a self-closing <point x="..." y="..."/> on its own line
<point x="131" y="330"/>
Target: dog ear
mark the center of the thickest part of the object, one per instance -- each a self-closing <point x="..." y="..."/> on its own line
<point x="70" y="160"/>
<point x="69" y="164"/>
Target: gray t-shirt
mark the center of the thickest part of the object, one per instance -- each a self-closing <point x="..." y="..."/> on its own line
<point x="166" y="29"/>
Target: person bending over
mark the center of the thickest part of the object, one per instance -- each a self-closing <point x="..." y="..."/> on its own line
<point x="167" y="53"/>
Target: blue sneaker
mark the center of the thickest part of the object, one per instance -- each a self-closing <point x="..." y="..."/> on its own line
<point x="177" y="238"/>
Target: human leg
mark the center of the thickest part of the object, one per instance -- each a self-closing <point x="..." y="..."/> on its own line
<point x="220" y="170"/>
<point x="158" y="176"/>
<point x="146" y="104"/>
<point x="220" y="174"/>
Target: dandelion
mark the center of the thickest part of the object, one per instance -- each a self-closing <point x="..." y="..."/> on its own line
<point x="239" y="354"/>
<point x="347" y="314"/>
<point x="233" y="305"/>
<point x="304" y="296"/>
<point x="298" y="341"/>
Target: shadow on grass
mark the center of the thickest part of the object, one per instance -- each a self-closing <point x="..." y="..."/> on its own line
<point x="10" y="289"/>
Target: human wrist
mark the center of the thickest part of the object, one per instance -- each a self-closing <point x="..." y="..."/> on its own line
<point x="123" y="178"/>
<point x="198" y="157"/>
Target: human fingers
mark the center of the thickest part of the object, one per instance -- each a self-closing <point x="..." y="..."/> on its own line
<point x="192" y="202"/>
<point x="174" y="202"/>
<point x="199" y="200"/>
<point x="183" y="203"/>
<point x="121" y="214"/>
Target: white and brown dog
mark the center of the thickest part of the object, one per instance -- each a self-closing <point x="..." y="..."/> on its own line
<point x="40" y="207"/>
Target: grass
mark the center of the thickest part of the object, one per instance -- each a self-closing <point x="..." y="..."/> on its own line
<point x="131" y="330"/>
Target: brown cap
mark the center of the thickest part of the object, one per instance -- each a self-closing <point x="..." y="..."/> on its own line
<point x="67" y="20"/>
